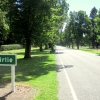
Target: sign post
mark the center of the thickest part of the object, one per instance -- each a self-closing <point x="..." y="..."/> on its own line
<point x="13" y="78"/>
<point x="9" y="60"/>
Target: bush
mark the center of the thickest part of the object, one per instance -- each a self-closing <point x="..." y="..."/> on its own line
<point x="10" y="47"/>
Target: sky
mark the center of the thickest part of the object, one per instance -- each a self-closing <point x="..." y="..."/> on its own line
<point x="85" y="5"/>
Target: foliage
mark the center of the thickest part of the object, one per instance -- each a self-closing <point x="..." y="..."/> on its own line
<point x="93" y="16"/>
<point x="3" y="24"/>
<point x="76" y="28"/>
<point x="83" y="30"/>
<point x="93" y="12"/>
<point x="34" y="22"/>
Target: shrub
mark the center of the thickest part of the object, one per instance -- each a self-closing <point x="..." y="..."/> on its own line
<point x="10" y="47"/>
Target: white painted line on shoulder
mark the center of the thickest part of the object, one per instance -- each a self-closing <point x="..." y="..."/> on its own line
<point x="69" y="82"/>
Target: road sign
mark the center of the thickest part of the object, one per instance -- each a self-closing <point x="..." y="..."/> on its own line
<point x="8" y="60"/>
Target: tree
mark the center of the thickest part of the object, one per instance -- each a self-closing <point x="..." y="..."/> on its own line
<point x="87" y="31"/>
<point x="97" y="28"/>
<point x="72" y="27"/>
<point x="92" y="16"/>
<point x="76" y="27"/>
<point x="35" y="22"/>
<point x="25" y="20"/>
<point x="80" y="30"/>
<point x="60" y="19"/>
<point x="3" y="25"/>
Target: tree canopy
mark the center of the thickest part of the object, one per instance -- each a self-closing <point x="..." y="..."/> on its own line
<point x="82" y="29"/>
<point x="38" y="22"/>
<point x="34" y="21"/>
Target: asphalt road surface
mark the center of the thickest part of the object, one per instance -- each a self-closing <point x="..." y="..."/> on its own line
<point x="78" y="74"/>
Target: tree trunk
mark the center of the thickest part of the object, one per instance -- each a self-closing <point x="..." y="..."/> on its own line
<point x="52" y="49"/>
<point x="41" y="49"/>
<point x="89" y="45"/>
<point x="46" y="46"/>
<point x="78" y="44"/>
<point x="93" y="40"/>
<point x="72" y="45"/>
<point x="93" y="45"/>
<point x="69" y="45"/>
<point x="49" y="45"/>
<point x="28" y="49"/>
<point x="0" y="48"/>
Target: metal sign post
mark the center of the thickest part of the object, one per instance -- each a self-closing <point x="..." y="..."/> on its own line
<point x="13" y="78"/>
<point x="9" y="60"/>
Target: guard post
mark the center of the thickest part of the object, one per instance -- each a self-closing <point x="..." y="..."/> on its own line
<point x="9" y="60"/>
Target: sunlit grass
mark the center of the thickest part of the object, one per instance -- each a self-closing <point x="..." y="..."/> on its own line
<point x="87" y="49"/>
<point x="38" y="71"/>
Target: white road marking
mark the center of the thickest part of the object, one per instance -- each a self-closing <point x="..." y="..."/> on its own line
<point x="69" y="82"/>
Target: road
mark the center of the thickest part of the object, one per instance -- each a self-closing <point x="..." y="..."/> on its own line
<point x="78" y="74"/>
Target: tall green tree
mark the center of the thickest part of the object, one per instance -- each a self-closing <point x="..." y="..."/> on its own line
<point x="87" y="31"/>
<point x="92" y="16"/>
<point x="97" y="28"/>
<point x="35" y="21"/>
<point x="3" y="25"/>
<point x="25" y="20"/>
<point x="60" y="18"/>
<point x="80" y="30"/>
<point x="76" y="27"/>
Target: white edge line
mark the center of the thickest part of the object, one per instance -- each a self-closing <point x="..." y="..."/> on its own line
<point x="69" y="82"/>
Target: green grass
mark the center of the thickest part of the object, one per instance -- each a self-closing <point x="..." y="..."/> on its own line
<point x="38" y="71"/>
<point x="87" y="49"/>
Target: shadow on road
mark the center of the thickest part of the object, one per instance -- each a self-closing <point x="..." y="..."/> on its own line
<point x="59" y="52"/>
<point x="59" y="67"/>
<point x="68" y="66"/>
<point x="98" y="54"/>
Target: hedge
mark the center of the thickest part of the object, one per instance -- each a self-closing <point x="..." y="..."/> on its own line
<point x="10" y="47"/>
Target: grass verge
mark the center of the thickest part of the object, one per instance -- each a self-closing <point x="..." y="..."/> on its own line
<point x="87" y="49"/>
<point x="38" y="71"/>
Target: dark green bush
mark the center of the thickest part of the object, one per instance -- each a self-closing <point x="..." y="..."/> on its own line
<point x="10" y="47"/>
